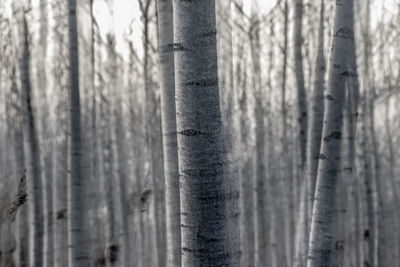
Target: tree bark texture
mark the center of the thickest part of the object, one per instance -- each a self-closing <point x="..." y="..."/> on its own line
<point x="203" y="166"/>
<point x="320" y="245"/>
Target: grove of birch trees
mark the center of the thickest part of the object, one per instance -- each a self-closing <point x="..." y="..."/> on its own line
<point x="178" y="133"/>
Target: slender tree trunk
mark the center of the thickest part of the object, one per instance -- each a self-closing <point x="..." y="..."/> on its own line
<point x="19" y="154"/>
<point x="301" y="92"/>
<point x="313" y="149"/>
<point x="152" y="141"/>
<point x="245" y="165"/>
<point x="203" y="166"/>
<point x="370" y="233"/>
<point x="78" y="253"/>
<point x="47" y="133"/>
<point x="380" y="210"/>
<point x="392" y="181"/>
<point x="94" y="222"/>
<point x="320" y="246"/>
<point x="352" y="109"/>
<point x="60" y="184"/>
<point x="123" y="178"/>
<point x="286" y="179"/>
<point x="168" y="113"/>
<point x="260" y="199"/>
<point x="34" y="152"/>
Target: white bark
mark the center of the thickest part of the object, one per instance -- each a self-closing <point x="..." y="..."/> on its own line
<point x="313" y="148"/>
<point x="320" y="245"/>
<point x="207" y="239"/>
<point x="168" y="120"/>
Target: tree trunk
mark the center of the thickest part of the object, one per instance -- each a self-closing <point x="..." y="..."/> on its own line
<point x="78" y="253"/>
<point x="301" y="92"/>
<point x="313" y="148"/>
<point x="47" y="133"/>
<point x="19" y="154"/>
<point x="260" y="198"/>
<point x="245" y="163"/>
<point x="320" y="245"/>
<point x="286" y="180"/>
<point x="168" y="113"/>
<point x="352" y="110"/>
<point x="34" y="152"/>
<point x="370" y="233"/>
<point x="60" y="184"/>
<point x="203" y="166"/>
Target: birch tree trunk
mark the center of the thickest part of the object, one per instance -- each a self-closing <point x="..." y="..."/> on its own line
<point x="78" y="254"/>
<point x="320" y="245"/>
<point x="34" y="152"/>
<point x="204" y="171"/>
<point x="168" y="119"/>
<point x="313" y="148"/>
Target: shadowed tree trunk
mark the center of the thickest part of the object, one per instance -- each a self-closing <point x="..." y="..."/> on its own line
<point x="78" y="254"/>
<point x="301" y="91"/>
<point x="370" y="232"/>
<point x="34" y="151"/>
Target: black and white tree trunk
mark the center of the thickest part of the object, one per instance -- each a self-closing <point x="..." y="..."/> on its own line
<point x="78" y="254"/>
<point x="321" y="237"/>
<point x="168" y="120"/>
<point x="207" y="239"/>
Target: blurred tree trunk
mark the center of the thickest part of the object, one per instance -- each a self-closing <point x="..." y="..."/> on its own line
<point x="369" y="86"/>
<point x="352" y="101"/>
<point x="151" y="118"/>
<point x="370" y="233"/>
<point x="313" y="149"/>
<point x="60" y="190"/>
<point x="301" y="92"/>
<point x="47" y="134"/>
<point x="19" y="154"/>
<point x="245" y="157"/>
<point x="260" y="182"/>
<point x="123" y="173"/>
<point x="170" y="149"/>
<point x="286" y="181"/>
<point x="322" y="225"/>
<point x="78" y="253"/>
<point x="34" y="150"/>
<point x="203" y="165"/>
